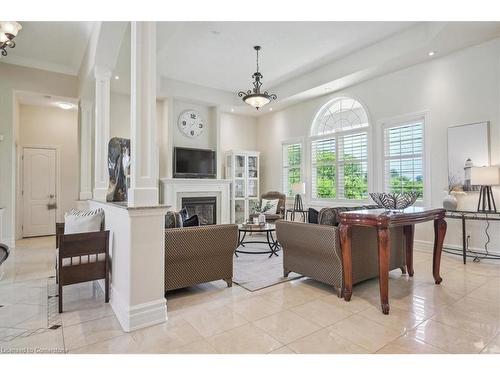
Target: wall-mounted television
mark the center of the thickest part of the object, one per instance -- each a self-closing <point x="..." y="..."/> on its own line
<point x="194" y="163"/>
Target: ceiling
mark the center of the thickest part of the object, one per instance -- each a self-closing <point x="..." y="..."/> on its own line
<point x="220" y="54"/>
<point x="53" y="46"/>
<point x="35" y="99"/>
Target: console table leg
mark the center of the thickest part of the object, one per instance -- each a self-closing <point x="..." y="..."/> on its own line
<point x="408" y="231"/>
<point x="345" y="240"/>
<point x="439" y="233"/>
<point x="464" y="240"/>
<point x="383" y="267"/>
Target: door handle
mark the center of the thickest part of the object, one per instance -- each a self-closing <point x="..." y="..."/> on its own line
<point x="50" y="205"/>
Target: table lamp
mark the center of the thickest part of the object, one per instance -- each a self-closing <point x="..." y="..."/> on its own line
<point x="298" y="189"/>
<point x="486" y="177"/>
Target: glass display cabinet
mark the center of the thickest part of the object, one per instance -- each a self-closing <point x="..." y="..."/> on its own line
<point x="242" y="168"/>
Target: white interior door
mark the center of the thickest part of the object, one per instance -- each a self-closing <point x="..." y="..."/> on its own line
<point x="39" y="192"/>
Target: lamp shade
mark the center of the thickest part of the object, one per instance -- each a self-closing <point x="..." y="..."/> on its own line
<point x="299" y="188"/>
<point x="485" y="176"/>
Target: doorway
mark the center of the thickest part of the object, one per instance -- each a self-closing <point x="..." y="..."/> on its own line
<point x="39" y="191"/>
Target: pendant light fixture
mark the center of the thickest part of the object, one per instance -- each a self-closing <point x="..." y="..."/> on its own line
<point x="8" y="31"/>
<point x="254" y="97"/>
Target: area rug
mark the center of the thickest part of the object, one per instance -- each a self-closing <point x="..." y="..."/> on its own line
<point x="257" y="271"/>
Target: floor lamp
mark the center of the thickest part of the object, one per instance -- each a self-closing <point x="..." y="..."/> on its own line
<point x="298" y="189"/>
<point x="486" y="177"/>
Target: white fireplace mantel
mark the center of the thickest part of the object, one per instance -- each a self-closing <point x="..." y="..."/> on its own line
<point x="174" y="189"/>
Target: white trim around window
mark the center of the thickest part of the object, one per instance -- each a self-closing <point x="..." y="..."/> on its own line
<point x="398" y="121"/>
<point x="284" y="164"/>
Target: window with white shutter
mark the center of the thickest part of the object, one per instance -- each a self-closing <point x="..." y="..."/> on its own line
<point x="339" y="151"/>
<point x="292" y="166"/>
<point x="403" y="157"/>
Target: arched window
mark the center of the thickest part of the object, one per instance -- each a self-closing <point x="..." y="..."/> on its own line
<point x="339" y="151"/>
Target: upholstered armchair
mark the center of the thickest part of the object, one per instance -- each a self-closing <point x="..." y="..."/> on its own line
<point x="280" y="213"/>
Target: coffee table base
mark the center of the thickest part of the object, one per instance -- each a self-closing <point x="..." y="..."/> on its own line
<point x="273" y="244"/>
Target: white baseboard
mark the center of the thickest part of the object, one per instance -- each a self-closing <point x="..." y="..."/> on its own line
<point x="429" y="247"/>
<point x="139" y="316"/>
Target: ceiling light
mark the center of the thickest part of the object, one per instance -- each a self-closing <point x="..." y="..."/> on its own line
<point x="432" y="53"/>
<point x="232" y="109"/>
<point x="254" y="97"/>
<point x="117" y="77"/>
<point x="270" y="109"/>
<point x="64" y="105"/>
<point x="8" y="31"/>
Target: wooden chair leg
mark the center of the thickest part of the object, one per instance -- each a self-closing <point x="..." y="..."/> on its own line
<point x="106" y="288"/>
<point x="60" y="297"/>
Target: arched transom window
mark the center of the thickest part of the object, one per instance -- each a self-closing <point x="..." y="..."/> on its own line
<point x="339" y="151"/>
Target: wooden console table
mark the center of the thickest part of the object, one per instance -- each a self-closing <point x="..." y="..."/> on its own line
<point x="382" y="220"/>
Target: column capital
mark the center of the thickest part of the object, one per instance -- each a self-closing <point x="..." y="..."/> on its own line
<point x="101" y="72"/>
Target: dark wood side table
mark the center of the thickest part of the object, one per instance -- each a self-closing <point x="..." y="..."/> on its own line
<point x="382" y="220"/>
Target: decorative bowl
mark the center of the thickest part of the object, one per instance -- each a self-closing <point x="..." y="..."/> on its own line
<point x="395" y="201"/>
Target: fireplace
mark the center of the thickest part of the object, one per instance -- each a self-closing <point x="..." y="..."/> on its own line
<point x="204" y="207"/>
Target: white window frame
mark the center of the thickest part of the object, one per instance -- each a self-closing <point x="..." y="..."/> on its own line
<point x="302" y="157"/>
<point x="320" y="202"/>
<point x="398" y="121"/>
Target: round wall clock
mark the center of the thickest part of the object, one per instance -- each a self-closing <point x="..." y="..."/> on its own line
<point x="191" y="124"/>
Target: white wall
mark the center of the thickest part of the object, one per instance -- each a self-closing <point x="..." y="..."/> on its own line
<point x="119" y="115"/>
<point x="457" y="89"/>
<point x="238" y="132"/>
<point x="58" y="128"/>
<point x="26" y="79"/>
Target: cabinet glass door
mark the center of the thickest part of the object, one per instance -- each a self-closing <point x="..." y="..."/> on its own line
<point x="252" y="167"/>
<point x="253" y="188"/>
<point x="239" y="166"/>
<point x="239" y="188"/>
<point x="239" y="211"/>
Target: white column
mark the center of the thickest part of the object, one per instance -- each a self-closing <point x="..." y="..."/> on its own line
<point x="144" y="167"/>
<point x="85" y="150"/>
<point x="102" y="92"/>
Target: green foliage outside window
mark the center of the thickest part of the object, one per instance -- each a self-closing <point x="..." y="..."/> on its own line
<point x="402" y="184"/>
<point x="355" y="177"/>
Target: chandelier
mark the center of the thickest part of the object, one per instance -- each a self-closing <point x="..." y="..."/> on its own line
<point x="8" y="31"/>
<point x="254" y="97"/>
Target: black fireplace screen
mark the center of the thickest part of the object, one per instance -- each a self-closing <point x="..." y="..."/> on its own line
<point x="204" y="207"/>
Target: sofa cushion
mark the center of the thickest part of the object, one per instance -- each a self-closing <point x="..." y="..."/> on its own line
<point x="173" y="220"/>
<point x="82" y="221"/>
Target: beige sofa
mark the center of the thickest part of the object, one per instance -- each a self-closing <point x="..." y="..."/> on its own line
<point x="196" y="255"/>
<point x="314" y="250"/>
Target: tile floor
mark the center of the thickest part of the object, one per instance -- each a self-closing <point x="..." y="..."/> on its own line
<point x="462" y="315"/>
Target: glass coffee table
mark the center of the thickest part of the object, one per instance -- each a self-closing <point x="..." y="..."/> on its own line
<point x="268" y="229"/>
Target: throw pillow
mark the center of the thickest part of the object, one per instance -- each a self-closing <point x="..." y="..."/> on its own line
<point x="173" y="220"/>
<point x="184" y="214"/>
<point x="82" y="221"/>
<point x="312" y="216"/>
<point x="269" y="206"/>
<point x="193" y="221"/>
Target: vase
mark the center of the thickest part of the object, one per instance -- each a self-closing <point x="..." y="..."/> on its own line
<point x="450" y="202"/>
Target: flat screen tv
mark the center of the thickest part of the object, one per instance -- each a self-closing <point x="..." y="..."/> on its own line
<point x="194" y="163"/>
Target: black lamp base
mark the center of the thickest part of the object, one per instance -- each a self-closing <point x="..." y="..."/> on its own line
<point x="297" y="205"/>
<point x="486" y="201"/>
